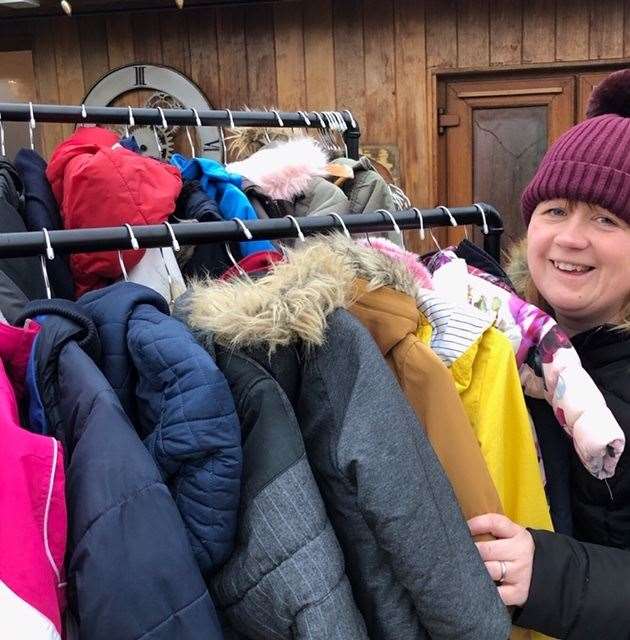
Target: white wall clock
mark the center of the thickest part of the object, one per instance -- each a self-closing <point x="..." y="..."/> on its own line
<point x="149" y="85"/>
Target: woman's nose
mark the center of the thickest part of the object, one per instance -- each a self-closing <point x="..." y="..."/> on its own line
<point x="572" y="234"/>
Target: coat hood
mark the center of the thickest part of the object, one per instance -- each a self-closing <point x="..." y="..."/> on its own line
<point x="113" y="308"/>
<point x="98" y="183"/>
<point x="284" y="171"/>
<point x="293" y="301"/>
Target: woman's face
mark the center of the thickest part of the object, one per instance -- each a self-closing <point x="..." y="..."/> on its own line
<point x="579" y="260"/>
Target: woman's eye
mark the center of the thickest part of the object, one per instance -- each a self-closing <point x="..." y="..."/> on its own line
<point x="606" y="221"/>
<point x="556" y="211"/>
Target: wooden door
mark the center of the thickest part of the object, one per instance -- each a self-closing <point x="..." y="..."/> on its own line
<point x="499" y="130"/>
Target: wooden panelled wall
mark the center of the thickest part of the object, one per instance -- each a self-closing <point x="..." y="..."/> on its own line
<point x="372" y="56"/>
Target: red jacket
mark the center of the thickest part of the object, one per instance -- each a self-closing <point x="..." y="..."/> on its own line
<point x="98" y="183"/>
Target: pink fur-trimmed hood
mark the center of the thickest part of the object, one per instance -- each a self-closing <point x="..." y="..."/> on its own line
<point x="284" y="171"/>
<point x="410" y="260"/>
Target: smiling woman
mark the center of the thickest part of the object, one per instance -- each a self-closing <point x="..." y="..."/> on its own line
<point x="575" y="264"/>
<point x="579" y="259"/>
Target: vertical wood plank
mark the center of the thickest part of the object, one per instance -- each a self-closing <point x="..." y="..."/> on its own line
<point x="539" y="31"/>
<point x="411" y="101"/>
<point x="380" y="81"/>
<point x="441" y="33"/>
<point x="289" y="38"/>
<point x="94" y="50"/>
<point x="45" y="67"/>
<point x="232" y="57"/>
<point x="174" y="37"/>
<point x="204" y="55"/>
<point x="261" y="58"/>
<point x="319" y="55"/>
<point x="473" y="40"/>
<point x="69" y="67"/>
<point x="606" y="25"/>
<point x="572" y="30"/>
<point x="119" y="40"/>
<point x="349" y="60"/>
<point x="147" y="41"/>
<point x="506" y="32"/>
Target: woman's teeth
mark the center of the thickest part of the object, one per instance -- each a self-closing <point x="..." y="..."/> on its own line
<point x="569" y="266"/>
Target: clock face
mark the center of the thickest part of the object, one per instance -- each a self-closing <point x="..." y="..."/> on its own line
<point x="158" y="86"/>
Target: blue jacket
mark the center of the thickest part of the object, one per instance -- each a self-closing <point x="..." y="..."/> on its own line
<point x="225" y="189"/>
<point x="131" y="572"/>
<point x="180" y="404"/>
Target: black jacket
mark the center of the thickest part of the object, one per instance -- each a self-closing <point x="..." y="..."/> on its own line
<point x="131" y="571"/>
<point x="25" y="273"/>
<point x="580" y="589"/>
<point x="194" y="205"/>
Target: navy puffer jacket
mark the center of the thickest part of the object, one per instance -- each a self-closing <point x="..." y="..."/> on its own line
<point x="131" y="572"/>
<point x="181" y="406"/>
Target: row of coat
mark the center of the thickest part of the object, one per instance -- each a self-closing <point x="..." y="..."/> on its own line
<point x="291" y="454"/>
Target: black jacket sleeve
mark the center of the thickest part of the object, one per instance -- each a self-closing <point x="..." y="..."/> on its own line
<point x="579" y="591"/>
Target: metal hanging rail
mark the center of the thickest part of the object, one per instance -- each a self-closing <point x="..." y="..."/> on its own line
<point x="65" y="241"/>
<point x="34" y="113"/>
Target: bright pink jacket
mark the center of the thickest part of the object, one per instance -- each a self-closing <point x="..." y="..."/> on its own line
<point x="32" y="507"/>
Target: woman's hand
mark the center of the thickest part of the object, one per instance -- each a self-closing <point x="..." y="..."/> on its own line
<point x="510" y="556"/>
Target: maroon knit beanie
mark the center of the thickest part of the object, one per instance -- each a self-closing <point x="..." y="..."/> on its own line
<point x="591" y="161"/>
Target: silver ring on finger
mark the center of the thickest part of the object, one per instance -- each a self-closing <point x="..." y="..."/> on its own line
<point x="503" y="572"/>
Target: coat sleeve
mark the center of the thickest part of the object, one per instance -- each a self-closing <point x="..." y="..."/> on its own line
<point x="579" y="591"/>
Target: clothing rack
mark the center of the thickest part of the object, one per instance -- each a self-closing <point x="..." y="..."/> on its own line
<point x="34" y="113"/>
<point x="32" y="243"/>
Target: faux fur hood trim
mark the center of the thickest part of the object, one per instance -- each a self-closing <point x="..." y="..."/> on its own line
<point x="284" y="171"/>
<point x="517" y="269"/>
<point x="292" y="302"/>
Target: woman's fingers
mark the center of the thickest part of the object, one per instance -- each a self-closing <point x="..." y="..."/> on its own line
<point x="495" y="569"/>
<point x="494" y="523"/>
<point x="497" y="549"/>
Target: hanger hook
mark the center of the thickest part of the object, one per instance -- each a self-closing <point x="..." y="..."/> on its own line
<point x="421" y="220"/>
<point x="447" y="211"/>
<point x="50" y="253"/>
<point x="197" y="118"/>
<point x="343" y="127"/>
<point x="479" y="208"/>
<point x="134" y="245"/>
<point x="132" y="121"/>
<point x="246" y="232"/>
<point x="174" y="241"/>
<point x="306" y="119"/>
<point x="297" y="226"/>
<point x="321" y="120"/>
<point x="353" y="124"/>
<point x="342" y="223"/>
<point x="395" y="226"/>
<point x="231" y="117"/>
<point x="134" y="241"/>
<point x="2" y="150"/>
<point x="83" y="112"/>
<point x="391" y="217"/>
<point x="31" y="125"/>
<point x="278" y="118"/>
<point x="164" y="123"/>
